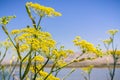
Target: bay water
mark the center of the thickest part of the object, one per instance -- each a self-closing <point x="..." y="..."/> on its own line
<point x="96" y="74"/>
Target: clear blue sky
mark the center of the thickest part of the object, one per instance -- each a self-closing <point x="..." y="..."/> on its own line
<point x="89" y="19"/>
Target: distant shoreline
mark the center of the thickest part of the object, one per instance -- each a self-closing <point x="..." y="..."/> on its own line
<point x="75" y="66"/>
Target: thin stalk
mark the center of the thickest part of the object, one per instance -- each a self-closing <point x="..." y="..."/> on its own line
<point x="3" y="73"/>
<point x="63" y="66"/>
<point x="32" y="19"/>
<point x="35" y="75"/>
<point x="68" y="74"/>
<point x="13" y="69"/>
<point x="26" y="56"/>
<point x="5" y="30"/>
<point x="51" y="71"/>
<point x="72" y="62"/>
<point x="20" y="70"/>
<point x="21" y="63"/>
<point x="48" y="75"/>
<point x="114" y="58"/>
<point x="88" y="76"/>
<point x="114" y="68"/>
<point x="57" y="73"/>
<point x="68" y="63"/>
<point x="39" y="22"/>
<point x="113" y="43"/>
<point x="27" y="67"/>
<point x="3" y="55"/>
<point x="43" y="66"/>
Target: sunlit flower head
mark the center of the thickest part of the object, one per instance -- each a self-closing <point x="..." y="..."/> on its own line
<point x="86" y="46"/>
<point x="42" y="10"/>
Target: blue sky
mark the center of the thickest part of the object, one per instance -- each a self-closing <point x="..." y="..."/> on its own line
<point x="89" y="19"/>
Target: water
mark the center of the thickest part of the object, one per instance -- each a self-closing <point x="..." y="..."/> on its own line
<point x="96" y="74"/>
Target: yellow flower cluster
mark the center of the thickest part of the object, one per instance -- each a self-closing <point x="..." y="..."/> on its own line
<point x="32" y="67"/>
<point x="35" y="39"/>
<point x="15" y="31"/>
<point x="42" y="10"/>
<point x="39" y="58"/>
<point x="23" y="47"/>
<point x="7" y="44"/>
<point x="112" y="31"/>
<point x="51" y="77"/>
<point x="85" y="46"/>
<point x="117" y="52"/>
<point x="5" y="20"/>
<point x="61" y="63"/>
<point x="61" y="53"/>
<point x="88" y="69"/>
<point x="107" y="41"/>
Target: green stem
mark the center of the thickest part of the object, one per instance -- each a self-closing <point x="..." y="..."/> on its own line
<point x="26" y="56"/>
<point x="35" y="75"/>
<point x="43" y="66"/>
<point x="57" y="73"/>
<point x="27" y="67"/>
<point x="47" y="75"/>
<point x="114" y="68"/>
<point x="20" y="70"/>
<point x="51" y="71"/>
<point x="114" y="58"/>
<point x="13" y="69"/>
<point x="32" y="19"/>
<point x="5" y="30"/>
<point x="68" y="74"/>
<point x="63" y="66"/>
<point x="3" y="73"/>
<point x="68" y="63"/>
<point x="39" y="23"/>
<point x="89" y="76"/>
<point x="3" y="56"/>
<point x="83" y="59"/>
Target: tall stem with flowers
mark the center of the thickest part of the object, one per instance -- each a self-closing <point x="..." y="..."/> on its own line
<point x="36" y="48"/>
<point x="112" y="51"/>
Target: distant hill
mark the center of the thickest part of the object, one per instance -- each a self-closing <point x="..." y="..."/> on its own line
<point x="99" y="62"/>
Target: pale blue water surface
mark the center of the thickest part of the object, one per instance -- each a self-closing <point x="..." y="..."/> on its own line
<point x="96" y="74"/>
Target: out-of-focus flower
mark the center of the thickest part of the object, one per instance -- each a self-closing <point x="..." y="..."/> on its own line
<point x="107" y="41"/>
<point x="88" y="69"/>
<point x="112" y="31"/>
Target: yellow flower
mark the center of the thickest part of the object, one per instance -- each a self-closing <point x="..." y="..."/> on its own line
<point x="107" y="41"/>
<point x="15" y="32"/>
<point x="88" y="69"/>
<point x="42" y="10"/>
<point x="55" y="52"/>
<point x="5" y="20"/>
<point x="85" y="46"/>
<point x="61" y="63"/>
<point x="43" y="73"/>
<point x="117" y="52"/>
<point x="112" y="31"/>
<point x="39" y="58"/>
<point x="7" y="44"/>
<point x="23" y="47"/>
